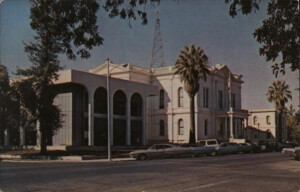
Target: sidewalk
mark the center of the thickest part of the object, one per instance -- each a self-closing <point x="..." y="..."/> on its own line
<point x="19" y="158"/>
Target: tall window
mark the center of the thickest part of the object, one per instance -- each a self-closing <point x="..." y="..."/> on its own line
<point x="161" y="128"/>
<point x="220" y="99"/>
<point x="222" y="129"/>
<point x="161" y="99"/>
<point x="254" y="120"/>
<point x="180" y="127"/>
<point x="268" y="120"/>
<point x="205" y="127"/>
<point x="180" y="97"/>
<point x="205" y="97"/>
<point x="233" y="100"/>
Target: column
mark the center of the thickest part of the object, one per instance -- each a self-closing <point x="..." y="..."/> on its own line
<point x="128" y="120"/>
<point x="6" y="137"/>
<point x="225" y="128"/>
<point x="22" y="136"/>
<point x="38" y="133"/>
<point x="231" y="123"/>
<point x="144" y="142"/>
<point x="91" y="118"/>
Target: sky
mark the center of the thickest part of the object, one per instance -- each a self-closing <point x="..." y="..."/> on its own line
<point x="205" y="23"/>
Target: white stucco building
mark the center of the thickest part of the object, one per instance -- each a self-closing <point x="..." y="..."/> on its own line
<point x="147" y="106"/>
<point x="263" y="124"/>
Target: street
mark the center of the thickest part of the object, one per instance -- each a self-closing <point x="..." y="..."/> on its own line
<point x="243" y="172"/>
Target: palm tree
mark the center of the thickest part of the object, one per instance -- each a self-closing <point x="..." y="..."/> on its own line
<point x="191" y="65"/>
<point x="279" y="93"/>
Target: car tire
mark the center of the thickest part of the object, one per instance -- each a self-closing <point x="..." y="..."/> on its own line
<point x="213" y="153"/>
<point x="142" y="157"/>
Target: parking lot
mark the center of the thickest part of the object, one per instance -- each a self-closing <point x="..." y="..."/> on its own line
<point x="241" y="172"/>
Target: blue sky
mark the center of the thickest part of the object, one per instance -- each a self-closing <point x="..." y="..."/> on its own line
<point x="205" y="23"/>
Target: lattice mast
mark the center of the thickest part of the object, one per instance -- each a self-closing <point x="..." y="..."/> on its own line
<point x="157" y="59"/>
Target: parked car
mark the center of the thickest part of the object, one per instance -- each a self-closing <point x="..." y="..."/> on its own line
<point x="277" y="146"/>
<point x="227" y="148"/>
<point x="292" y="152"/>
<point x="267" y="147"/>
<point x="203" y="150"/>
<point x="297" y="153"/>
<point x="255" y="148"/>
<point x="159" y="151"/>
<point x="208" y="143"/>
<point x="245" y="147"/>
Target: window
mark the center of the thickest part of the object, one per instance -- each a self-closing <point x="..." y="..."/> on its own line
<point x="254" y="120"/>
<point x="180" y="97"/>
<point x="161" y="128"/>
<point x="220" y="99"/>
<point x="268" y="120"/>
<point x="161" y="99"/>
<point x="180" y="127"/>
<point x="233" y="100"/>
<point x="205" y="126"/>
<point x="205" y="97"/>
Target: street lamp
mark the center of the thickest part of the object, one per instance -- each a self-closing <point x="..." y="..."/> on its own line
<point x="108" y="114"/>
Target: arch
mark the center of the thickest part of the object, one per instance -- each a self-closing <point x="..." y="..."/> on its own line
<point x="136" y="105"/>
<point x="180" y="127"/>
<point x="119" y="103"/>
<point x="180" y="97"/>
<point x="100" y="101"/>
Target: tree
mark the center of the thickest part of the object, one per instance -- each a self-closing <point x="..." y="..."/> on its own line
<point x="279" y="94"/>
<point x="4" y="99"/>
<point x="191" y="65"/>
<point x="292" y="123"/>
<point x="279" y="34"/>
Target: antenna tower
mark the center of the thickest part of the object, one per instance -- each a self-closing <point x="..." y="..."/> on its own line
<point x="157" y="59"/>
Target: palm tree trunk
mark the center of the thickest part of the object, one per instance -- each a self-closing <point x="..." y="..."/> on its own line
<point x="280" y="126"/>
<point x="192" y="120"/>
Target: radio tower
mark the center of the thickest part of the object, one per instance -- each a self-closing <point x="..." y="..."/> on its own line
<point x="157" y="59"/>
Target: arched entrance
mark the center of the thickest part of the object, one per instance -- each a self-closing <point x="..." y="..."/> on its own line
<point x="100" y="117"/>
<point x="119" y="120"/>
<point x="136" y="108"/>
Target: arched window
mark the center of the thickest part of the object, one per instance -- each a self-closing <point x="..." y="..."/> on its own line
<point x="254" y="120"/>
<point x="161" y="128"/>
<point x="161" y="99"/>
<point x="136" y="105"/>
<point x="180" y="127"/>
<point x="205" y="126"/>
<point x="268" y="120"/>
<point x="180" y="97"/>
<point x="119" y="104"/>
<point x="100" y="101"/>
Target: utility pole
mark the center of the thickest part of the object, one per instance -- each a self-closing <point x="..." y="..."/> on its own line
<point x="108" y="115"/>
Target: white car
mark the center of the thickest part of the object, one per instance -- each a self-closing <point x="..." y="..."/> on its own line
<point x="160" y="151"/>
<point x="208" y="143"/>
<point x="227" y="148"/>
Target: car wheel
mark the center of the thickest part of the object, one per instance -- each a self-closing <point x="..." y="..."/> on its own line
<point x="213" y="153"/>
<point x="142" y="157"/>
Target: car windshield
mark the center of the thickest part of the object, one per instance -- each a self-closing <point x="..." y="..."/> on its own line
<point x="211" y="142"/>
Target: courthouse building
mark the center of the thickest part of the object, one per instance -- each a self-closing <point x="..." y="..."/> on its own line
<point x="147" y="106"/>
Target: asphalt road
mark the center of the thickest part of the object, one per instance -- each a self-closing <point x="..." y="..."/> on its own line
<point x="250" y="172"/>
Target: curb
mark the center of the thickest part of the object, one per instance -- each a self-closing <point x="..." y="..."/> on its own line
<point x="61" y="158"/>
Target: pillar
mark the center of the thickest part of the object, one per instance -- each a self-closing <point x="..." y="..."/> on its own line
<point x="6" y="137"/>
<point x="144" y="142"/>
<point x="22" y="136"/>
<point x="128" y="118"/>
<point x="38" y="133"/>
<point x="231" y="123"/>
<point x="91" y="118"/>
<point x="225" y="127"/>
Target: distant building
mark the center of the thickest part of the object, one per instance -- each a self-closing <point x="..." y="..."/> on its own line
<point x="263" y="124"/>
<point x="147" y="106"/>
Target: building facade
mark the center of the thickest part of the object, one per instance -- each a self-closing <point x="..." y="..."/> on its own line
<point x="146" y="106"/>
<point x="263" y="124"/>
